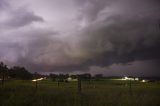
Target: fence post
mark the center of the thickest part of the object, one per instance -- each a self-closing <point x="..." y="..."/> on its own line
<point x="79" y="84"/>
<point x="2" y="79"/>
<point x="58" y="82"/>
<point x="36" y="76"/>
<point x="130" y="86"/>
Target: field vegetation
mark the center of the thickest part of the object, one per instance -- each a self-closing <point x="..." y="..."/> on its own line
<point x="94" y="93"/>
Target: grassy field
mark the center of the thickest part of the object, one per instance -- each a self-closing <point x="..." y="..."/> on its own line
<point x="95" y="93"/>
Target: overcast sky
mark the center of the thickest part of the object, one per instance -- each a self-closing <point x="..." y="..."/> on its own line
<point x="112" y="37"/>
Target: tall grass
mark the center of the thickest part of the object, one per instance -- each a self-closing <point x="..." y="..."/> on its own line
<point x="96" y="93"/>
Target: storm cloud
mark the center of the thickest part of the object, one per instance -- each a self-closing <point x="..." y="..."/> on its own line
<point x="80" y="35"/>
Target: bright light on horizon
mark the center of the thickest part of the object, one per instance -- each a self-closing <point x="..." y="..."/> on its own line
<point x="144" y="81"/>
<point x="39" y="79"/>
<point x="127" y="78"/>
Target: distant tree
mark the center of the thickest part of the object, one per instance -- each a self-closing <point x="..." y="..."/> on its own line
<point x="86" y="76"/>
<point x="3" y="72"/>
<point x="62" y="77"/>
<point x="54" y="77"/>
<point x="20" y="73"/>
<point x="73" y="76"/>
<point x="98" y="76"/>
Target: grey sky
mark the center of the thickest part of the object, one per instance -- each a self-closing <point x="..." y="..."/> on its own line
<point x="95" y="36"/>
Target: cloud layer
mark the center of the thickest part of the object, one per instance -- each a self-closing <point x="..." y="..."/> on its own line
<point x="78" y="34"/>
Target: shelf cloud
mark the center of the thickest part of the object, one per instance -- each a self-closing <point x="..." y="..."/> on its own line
<point x="81" y="35"/>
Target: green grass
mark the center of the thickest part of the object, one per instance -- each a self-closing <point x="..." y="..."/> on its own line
<point x="96" y="93"/>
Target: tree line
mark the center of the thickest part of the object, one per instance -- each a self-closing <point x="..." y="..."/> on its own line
<point x="85" y="76"/>
<point x="18" y="72"/>
<point x="15" y="72"/>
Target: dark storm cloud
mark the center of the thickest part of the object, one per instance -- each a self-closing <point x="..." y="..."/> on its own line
<point x="3" y="4"/>
<point x="135" y="68"/>
<point x="18" y="17"/>
<point x="128" y="34"/>
<point x="124" y="36"/>
<point x="91" y="8"/>
<point x="22" y="17"/>
<point x="110" y="32"/>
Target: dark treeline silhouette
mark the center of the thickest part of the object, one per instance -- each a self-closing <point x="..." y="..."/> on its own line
<point x="63" y="77"/>
<point x="85" y="77"/>
<point x="15" y="72"/>
<point x="3" y="72"/>
<point x="19" y="73"/>
<point x="98" y="76"/>
<point x="59" y="77"/>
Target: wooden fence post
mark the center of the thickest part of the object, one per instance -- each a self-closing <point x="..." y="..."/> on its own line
<point x="79" y="84"/>
<point x="3" y="79"/>
<point x="36" y="82"/>
<point x="130" y="86"/>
